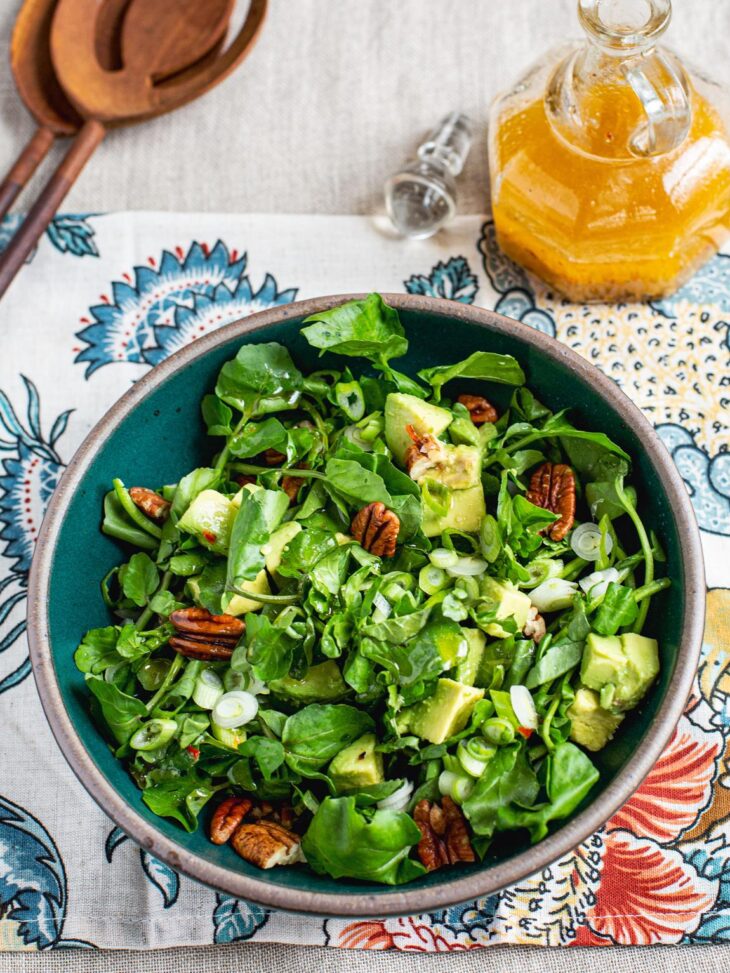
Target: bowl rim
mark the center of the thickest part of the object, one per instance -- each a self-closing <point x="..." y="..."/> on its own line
<point x="398" y="900"/>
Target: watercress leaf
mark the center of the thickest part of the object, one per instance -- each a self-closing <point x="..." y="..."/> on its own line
<point x="569" y="777"/>
<point x="121" y="712"/>
<point x="211" y="587"/>
<point x="180" y="692"/>
<point x="587" y="451"/>
<point x="303" y="551"/>
<point x="557" y="660"/>
<point x="329" y="573"/>
<point x="617" y="609"/>
<point x="410" y="514"/>
<point x="180" y="798"/>
<point x="216" y="416"/>
<point x="131" y="643"/>
<point x="369" y="329"/>
<point x="404" y="383"/>
<point x="203" y="478"/>
<point x="358" y="485"/>
<point x="318" y="732"/>
<point x="260" y="512"/>
<point x="412" y="663"/>
<point x="255" y="437"/>
<point x="525" y="406"/>
<point x="268" y="754"/>
<point x="367" y="796"/>
<point x="344" y="843"/>
<point x="270" y="650"/>
<point x="164" y="603"/>
<point x="486" y="365"/>
<point x="507" y="778"/>
<point x="258" y="373"/>
<point x="398" y="629"/>
<point x="359" y="672"/>
<point x="274" y="720"/>
<point x="98" y="650"/>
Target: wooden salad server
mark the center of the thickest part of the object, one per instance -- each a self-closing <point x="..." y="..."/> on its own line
<point x="30" y="62"/>
<point x="168" y="55"/>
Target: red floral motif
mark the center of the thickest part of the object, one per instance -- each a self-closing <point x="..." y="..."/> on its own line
<point x="365" y="935"/>
<point x="677" y="789"/>
<point x="648" y="894"/>
<point x="410" y="934"/>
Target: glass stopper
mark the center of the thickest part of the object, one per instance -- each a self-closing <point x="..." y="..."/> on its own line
<point x="421" y="197"/>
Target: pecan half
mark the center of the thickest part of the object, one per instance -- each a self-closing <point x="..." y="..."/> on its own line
<point x="227" y="817"/>
<point x="444" y="834"/>
<point x="291" y="485"/>
<point x="267" y="844"/>
<point x="376" y="529"/>
<point x="552" y="486"/>
<point x="480" y="409"/>
<point x="200" y="635"/>
<point x="422" y="447"/>
<point x="243" y="479"/>
<point x="535" y="627"/>
<point x="150" y="503"/>
<point x="272" y="457"/>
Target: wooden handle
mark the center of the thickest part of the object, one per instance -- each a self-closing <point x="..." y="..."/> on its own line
<point x="24" y="167"/>
<point x="48" y="202"/>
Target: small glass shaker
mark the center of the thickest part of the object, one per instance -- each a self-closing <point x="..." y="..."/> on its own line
<point x="421" y="198"/>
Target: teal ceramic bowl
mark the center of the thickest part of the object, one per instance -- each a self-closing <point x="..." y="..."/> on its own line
<point x="154" y="434"/>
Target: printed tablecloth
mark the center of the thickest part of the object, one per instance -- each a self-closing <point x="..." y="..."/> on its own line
<point x="106" y="297"/>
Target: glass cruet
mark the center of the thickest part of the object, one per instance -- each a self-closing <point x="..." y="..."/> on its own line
<point x="610" y="160"/>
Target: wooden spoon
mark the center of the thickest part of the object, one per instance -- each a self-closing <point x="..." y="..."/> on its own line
<point x="163" y="46"/>
<point x="30" y="61"/>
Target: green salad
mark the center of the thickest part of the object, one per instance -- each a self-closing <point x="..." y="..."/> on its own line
<point x="387" y="622"/>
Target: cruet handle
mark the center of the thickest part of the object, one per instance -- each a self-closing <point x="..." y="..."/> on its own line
<point x="660" y="83"/>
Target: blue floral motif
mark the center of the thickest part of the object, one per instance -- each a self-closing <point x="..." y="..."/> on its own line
<point x="28" y="477"/>
<point x="711" y="858"/>
<point x="235" y="919"/>
<point x="210" y="312"/>
<point x="707" y="480"/>
<point x="70" y="233"/>
<point x="73" y="234"/>
<point x="171" y="301"/>
<point x="32" y="879"/>
<point x="710" y="285"/>
<point x="164" y="878"/>
<point x="509" y="280"/>
<point x="469" y="917"/>
<point x="453" y="280"/>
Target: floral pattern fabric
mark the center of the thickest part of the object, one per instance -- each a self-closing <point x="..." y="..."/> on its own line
<point x="106" y="297"/>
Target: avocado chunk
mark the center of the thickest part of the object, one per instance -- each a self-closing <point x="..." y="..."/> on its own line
<point x="440" y="716"/>
<point x="619" y="667"/>
<point x="591" y="725"/>
<point x="274" y="547"/>
<point x="358" y="765"/>
<point x="455" y="467"/>
<point x="238" y="605"/>
<point x="322" y="683"/>
<point x="465" y="512"/>
<point x="466" y="671"/>
<point x="210" y="518"/>
<point x="403" y="410"/>
<point x="506" y="602"/>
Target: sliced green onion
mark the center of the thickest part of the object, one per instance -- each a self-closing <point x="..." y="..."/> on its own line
<point x="350" y="399"/>
<point x="480" y="749"/>
<point x="208" y="689"/>
<point x="151" y="674"/>
<point x="596" y="584"/>
<point x="399" y="799"/>
<point x="586" y="542"/>
<point x="436" y="496"/>
<point x="230" y="738"/>
<point x="474" y="755"/>
<point x="153" y="735"/>
<point x="498" y="731"/>
<point x="553" y="595"/>
<point x="235" y="709"/>
<point x="235" y="679"/>
<point x="432" y="579"/>
<point x="383" y="608"/>
<point x="457" y="786"/>
<point x="442" y="557"/>
<point x="467" y="589"/>
<point x="490" y="541"/>
<point x="542" y="569"/>
<point x="524" y="707"/>
<point x="467" y="567"/>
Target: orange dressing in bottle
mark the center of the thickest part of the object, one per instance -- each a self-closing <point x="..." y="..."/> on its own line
<point x="610" y="167"/>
